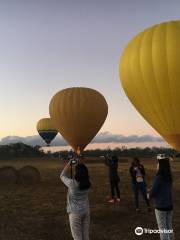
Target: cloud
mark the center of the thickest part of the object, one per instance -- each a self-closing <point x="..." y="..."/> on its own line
<point x="32" y="140"/>
<point x="105" y="137"/>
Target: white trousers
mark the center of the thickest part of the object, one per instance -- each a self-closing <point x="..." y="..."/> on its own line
<point x="164" y="221"/>
<point x="79" y="225"/>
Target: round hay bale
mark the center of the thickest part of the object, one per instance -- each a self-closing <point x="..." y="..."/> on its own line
<point x="29" y="175"/>
<point x="8" y="175"/>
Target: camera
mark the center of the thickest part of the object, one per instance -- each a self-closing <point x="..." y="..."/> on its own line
<point x="73" y="161"/>
<point x="161" y="156"/>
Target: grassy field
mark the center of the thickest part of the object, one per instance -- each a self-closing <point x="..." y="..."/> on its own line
<point x="38" y="212"/>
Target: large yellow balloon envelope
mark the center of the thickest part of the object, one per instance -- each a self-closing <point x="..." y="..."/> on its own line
<point x="78" y="114"/>
<point x="150" y="76"/>
<point x="46" y="130"/>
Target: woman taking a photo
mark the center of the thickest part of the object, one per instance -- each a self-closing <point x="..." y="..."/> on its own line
<point x="161" y="192"/>
<point x="112" y="163"/>
<point x="77" y="200"/>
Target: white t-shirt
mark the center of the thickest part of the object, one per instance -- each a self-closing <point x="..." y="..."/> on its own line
<point x="139" y="177"/>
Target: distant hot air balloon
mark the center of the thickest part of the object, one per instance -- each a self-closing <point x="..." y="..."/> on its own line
<point x="78" y="114"/>
<point x="46" y="130"/>
<point x="150" y="76"/>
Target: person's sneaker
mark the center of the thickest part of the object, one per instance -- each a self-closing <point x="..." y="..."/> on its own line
<point x="118" y="199"/>
<point x="137" y="210"/>
<point x="111" y="201"/>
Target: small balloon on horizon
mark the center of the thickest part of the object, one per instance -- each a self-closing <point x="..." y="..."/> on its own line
<point x="46" y="130"/>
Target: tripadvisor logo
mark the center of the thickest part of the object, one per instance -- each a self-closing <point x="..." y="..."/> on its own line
<point x="139" y="231"/>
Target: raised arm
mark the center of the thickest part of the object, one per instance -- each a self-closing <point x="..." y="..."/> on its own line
<point x="63" y="176"/>
<point x="131" y="172"/>
<point x="106" y="161"/>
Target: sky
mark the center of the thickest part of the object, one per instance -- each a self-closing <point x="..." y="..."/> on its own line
<point x="49" y="45"/>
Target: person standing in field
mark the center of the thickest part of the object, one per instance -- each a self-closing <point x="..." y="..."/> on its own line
<point x="161" y="192"/>
<point x="77" y="200"/>
<point x="112" y="163"/>
<point x="137" y="173"/>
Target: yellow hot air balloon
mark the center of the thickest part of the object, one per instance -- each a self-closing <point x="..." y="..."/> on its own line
<point x="78" y="114"/>
<point x="46" y="130"/>
<point x="150" y="76"/>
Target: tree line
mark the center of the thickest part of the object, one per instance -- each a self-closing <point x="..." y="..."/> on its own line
<point x="123" y="152"/>
<point x="21" y="150"/>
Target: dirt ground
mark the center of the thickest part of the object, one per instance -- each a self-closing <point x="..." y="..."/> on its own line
<point x="39" y="212"/>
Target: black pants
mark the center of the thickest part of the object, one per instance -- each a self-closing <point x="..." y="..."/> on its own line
<point x="140" y="187"/>
<point x="115" y="188"/>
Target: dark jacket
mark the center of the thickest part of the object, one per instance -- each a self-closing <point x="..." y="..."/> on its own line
<point x="132" y="172"/>
<point x="161" y="192"/>
<point x="113" y="169"/>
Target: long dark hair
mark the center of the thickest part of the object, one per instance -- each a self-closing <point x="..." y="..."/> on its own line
<point x="165" y="170"/>
<point x="82" y="176"/>
<point x="135" y="162"/>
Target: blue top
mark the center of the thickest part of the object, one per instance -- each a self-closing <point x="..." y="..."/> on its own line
<point x="77" y="200"/>
<point x="161" y="192"/>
